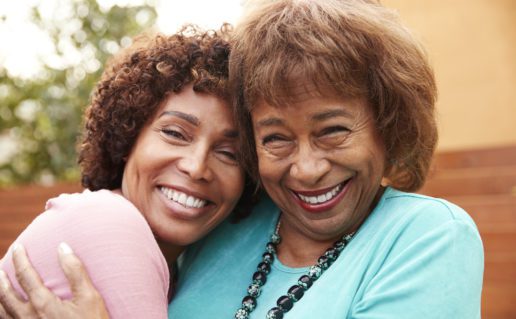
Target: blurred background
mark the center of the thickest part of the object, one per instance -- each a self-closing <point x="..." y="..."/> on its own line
<point x="52" y="53"/>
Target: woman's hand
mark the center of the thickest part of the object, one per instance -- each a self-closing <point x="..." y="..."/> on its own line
<point x="86" y="302"/>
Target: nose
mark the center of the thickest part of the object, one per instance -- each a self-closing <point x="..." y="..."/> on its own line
<point x="195" y="163"/>
<point x="310" y="166"/>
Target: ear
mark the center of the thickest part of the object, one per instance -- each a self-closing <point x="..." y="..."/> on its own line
<point x="385" y="182"/>
<point x="388" y="173"/>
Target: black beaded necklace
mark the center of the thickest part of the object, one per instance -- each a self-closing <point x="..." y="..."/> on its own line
<point x="296" y="292"/>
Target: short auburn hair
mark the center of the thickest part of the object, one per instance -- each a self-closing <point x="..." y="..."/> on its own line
<point x="353" y="48"/>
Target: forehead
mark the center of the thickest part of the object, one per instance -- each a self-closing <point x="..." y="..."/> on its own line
<point x="311" y="108"/>
<point x="202" y="108"/>
<point x="298" y="83"/>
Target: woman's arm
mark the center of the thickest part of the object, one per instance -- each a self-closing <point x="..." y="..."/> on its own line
<point x="86" y="303"/>
<point x="115" y="244"/>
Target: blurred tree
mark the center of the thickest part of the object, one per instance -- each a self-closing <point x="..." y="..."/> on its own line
<point x="40" y="118"/>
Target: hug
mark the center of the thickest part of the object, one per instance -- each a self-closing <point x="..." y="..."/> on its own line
<point x="269" y="172"/>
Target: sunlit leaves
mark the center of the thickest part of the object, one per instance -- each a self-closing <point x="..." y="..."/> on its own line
<point x="40" y="117"/>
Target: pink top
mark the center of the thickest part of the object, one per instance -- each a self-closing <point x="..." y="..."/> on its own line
<point x="115" y="243"/>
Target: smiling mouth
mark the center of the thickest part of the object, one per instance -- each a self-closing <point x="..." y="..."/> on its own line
<point x="183" y="199"/>
<point x="321" y="197"/>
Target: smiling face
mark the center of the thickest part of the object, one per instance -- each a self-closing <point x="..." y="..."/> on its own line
<point x="182" y="173"/>
<point x="321" y="161"/>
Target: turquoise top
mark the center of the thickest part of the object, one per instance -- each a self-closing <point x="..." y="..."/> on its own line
<point x="414" y="257"/>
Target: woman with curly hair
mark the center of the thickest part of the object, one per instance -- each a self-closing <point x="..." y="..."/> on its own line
<point x="159" y="160"/>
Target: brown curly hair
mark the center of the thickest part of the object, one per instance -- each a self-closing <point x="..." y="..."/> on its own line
<point x="131" y="88"/>
<point x="354" y="48"/>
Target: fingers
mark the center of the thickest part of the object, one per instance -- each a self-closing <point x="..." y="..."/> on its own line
<point x="75" y="272"/>
<point x="11" y="304"/>
<point x="29" y="280"/>
<point x="83" y="290"/>
<point x="3" y="313"/>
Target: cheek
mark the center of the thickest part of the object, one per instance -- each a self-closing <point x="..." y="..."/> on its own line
<point x="233" y="186"/>
<point x="131" y="186"/>
<point x="376" y="156"/>
<point x="268" y="169"/>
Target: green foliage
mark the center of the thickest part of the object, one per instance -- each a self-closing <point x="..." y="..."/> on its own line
<point x="41" y="117"/>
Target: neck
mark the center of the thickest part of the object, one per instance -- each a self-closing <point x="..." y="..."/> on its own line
<point x="296" y="249"/>
<point x="170" y="251"/>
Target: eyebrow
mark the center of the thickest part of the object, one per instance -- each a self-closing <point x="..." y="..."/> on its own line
<point x="271" y="121"/>
<point x="330" y="114"/>
<point x="232" y="134"/>
<point x="319" y="117"/>
<point x="187" y="117"/>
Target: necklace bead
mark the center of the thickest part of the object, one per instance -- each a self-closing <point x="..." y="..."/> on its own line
<point x="264" y="267"/>
<point x="271" y="248"/>
<point x="323" y="262"/>
<point x="249" y="303"/>
<point x="339" y="245"/>
<point x="254" y="290"/>
<point x="305" y="282"/>
<point x="241" y="314"/>
<point x="296" y="292"/>
<point x="268" y="257"/>
<point x="315" y="272"/>
<point x="332" y="254"/>
<point x="275" y="238"/>
<point x="285" y="303"/>
<point x="275" y="313"/>
<point x="259" y="278"/>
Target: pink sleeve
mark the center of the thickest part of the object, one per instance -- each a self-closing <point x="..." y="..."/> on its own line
<point x="116" y="245"/>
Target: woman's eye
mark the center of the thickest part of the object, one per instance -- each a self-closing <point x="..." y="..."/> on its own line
<point x="230" y="155"/>
<point x="334" y="130"/>
<point x="174" y="133"/>
<point x="272" y="139"/>
<point x="227" y="155"/>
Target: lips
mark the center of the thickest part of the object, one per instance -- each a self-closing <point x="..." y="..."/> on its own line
<point x="321" y="200"/>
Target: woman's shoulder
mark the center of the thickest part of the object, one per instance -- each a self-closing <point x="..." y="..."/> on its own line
<point x="402" y="217"/>
<point x="405" y="220"/>
<point x="106" y="205"/>
<point x="112" y="198"/>
<point x="89" y="214"/>
<point x="425" y="208"/>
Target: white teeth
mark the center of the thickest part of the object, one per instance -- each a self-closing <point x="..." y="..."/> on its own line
<point x="321" y="198"/>
<point x="182" y="198"/>
<point x="190" y="201"/>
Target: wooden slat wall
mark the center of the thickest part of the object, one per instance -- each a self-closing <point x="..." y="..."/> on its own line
<point x="20" y="205"/>
<point x="483" y="182"/>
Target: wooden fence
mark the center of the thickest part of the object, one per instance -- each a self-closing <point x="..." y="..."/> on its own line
<point x="483" y="182"/>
